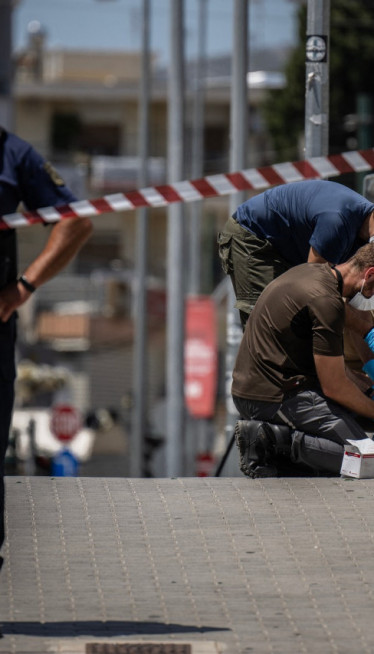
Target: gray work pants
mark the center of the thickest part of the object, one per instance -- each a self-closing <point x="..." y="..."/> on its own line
<point x="319" y="427"/>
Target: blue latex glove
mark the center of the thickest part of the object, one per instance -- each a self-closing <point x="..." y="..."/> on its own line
<point x="369" y="339"/>
<point x="369" y="368"/>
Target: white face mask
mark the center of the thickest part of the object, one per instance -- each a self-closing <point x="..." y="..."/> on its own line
<point x="359" y="301"/>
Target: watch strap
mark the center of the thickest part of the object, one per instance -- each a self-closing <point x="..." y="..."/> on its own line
<point x="25" y="282"/>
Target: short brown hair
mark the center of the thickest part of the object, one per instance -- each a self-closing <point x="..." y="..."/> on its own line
<point x="364" y="257"/>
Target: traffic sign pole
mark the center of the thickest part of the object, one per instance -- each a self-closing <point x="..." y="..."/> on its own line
<point x="317" y="79"/>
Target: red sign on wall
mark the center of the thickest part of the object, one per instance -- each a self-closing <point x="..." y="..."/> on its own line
<point x="200" y="356"/>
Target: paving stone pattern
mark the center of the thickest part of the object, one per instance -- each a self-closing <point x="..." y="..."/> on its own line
<point x="233" y="565"/>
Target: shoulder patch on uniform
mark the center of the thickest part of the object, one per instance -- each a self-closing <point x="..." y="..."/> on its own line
<point x="53" y="174"/>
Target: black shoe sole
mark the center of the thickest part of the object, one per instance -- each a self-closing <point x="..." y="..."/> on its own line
<point x="262" y="472"/>
<point x="245" y="448"/>
<point x="253" y="453"/>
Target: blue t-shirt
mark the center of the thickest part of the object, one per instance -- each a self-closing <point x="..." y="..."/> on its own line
<point x="24" y="177"/>
<point x="294" y="217"/>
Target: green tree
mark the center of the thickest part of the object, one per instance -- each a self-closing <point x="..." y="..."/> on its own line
<point x="350" y="70"/>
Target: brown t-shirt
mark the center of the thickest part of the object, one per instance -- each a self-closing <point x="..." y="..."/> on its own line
<point x="299" y="314"/>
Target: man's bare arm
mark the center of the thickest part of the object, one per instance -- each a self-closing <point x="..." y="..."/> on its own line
<point x="337" y="387"/>
<point x="65" y="240"/>
<point x="359" y="322"/>
<point x="315" y="257"/>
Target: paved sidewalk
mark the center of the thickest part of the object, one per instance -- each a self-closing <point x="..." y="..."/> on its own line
<point x="192" y="566"/>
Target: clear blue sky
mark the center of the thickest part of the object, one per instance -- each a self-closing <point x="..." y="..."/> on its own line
<point x="115" y="24"/>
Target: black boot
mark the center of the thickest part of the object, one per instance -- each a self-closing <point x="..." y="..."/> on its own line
<point x="256" y="449"/>
<point x="280" y="438"/>
<point x="289" y="463"/>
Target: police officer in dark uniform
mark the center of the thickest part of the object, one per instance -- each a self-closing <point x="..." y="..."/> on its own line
<point x="26" y="177"/>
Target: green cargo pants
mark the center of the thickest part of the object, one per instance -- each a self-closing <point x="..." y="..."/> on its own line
<point x="251" y="262"/>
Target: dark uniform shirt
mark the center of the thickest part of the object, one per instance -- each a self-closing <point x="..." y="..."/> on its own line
<point x="299" y="314"/>
<point x="24" y="177"/>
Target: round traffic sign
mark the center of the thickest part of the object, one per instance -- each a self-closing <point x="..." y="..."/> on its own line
<point x="316" y="48"/>
<point x="65" y="422"/>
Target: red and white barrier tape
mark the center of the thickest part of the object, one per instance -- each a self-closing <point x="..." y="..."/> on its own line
<point x="252" y="179"/>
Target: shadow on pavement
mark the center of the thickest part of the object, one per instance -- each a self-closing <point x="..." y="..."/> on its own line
<point x="97" y="628"/>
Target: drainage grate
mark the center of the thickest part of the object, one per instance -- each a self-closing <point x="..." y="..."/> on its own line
<point x="138" y="648"/>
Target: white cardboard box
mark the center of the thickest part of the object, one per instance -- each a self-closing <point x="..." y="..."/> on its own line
<point x="358" y="459"/>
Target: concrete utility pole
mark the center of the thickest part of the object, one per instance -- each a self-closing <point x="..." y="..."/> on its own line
<point x="198" y="151"/>
<point x="196" y="435"/>
<point x="175" y="251"/>
<point x="317" y="79"/>
<point x="140" y="355"/>
<point x="238" y="159"/>
<point x="6" y="73"/>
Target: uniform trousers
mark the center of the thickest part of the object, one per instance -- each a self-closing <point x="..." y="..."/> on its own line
<point x="319" y="427"/>
<point x="7" y="377"/>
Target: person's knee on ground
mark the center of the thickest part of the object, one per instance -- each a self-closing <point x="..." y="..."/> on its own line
<point x="262" y="446"/>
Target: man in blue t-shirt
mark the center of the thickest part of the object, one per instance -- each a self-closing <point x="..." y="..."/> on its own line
<point x="26" y="177"/>
<point x="311" y="221"/>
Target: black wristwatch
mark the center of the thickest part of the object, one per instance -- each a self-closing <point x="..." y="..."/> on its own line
<point x="25" y="282"/>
